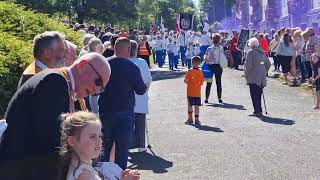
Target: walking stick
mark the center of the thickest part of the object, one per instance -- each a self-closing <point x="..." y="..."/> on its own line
<point x="147" y="132"/>
<point x="264" y="101"/>
<point x="149" y="146"/>
<point x="314" y="95"/>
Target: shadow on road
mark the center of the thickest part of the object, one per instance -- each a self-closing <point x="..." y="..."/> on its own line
<point x="274" y="120"/>
<point x="163" y="75"/>
<point x="209" y="128"/>
<point x="146" y="161"/>
<point x="228" y="106"/>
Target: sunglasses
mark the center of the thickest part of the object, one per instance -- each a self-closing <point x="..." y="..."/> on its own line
<point x="98" y="82"/>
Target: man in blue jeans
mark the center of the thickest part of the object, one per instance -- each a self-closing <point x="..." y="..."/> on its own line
<point x="182" y="41"/>
<point x="116" y="103"/>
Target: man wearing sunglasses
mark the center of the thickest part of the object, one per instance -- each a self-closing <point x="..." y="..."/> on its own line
<point x="116" y="103"/>
<point x="29" y="149"/>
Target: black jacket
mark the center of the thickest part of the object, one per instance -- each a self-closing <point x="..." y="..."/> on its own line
<point x="29" y="149"/>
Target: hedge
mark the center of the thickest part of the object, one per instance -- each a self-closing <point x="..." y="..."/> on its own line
<point x="18" y="26"/>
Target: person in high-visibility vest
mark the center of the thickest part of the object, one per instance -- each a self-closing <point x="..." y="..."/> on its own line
<point x="144" y="51"/>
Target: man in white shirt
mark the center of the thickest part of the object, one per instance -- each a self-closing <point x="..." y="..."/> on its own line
<point x="182" y="41"/>
<point x="141" y="107"/>
<point x="190" y="37"/>
<point x="196" y="50"/>
<point x="176" y="54"/>
<point x="170" y="52"/>
<point x="160" y="48"/>
<point x="205" y="41"/>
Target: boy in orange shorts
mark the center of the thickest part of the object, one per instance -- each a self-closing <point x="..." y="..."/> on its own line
<point x="194" y="80"/>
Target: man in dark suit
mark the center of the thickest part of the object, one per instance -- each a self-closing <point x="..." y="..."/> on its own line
<point x="49" y="52"/>
<point x="30" y="146"/>
<point x="116" y="103"/>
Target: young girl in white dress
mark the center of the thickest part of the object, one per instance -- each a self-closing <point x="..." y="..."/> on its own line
<point x="81" y="145"/>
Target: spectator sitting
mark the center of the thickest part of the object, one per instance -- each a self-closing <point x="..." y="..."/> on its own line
<point x="77" y="156"/>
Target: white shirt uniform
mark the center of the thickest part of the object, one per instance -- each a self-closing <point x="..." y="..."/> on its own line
<point x="197" y="39"/>
<point x="189" y="52"/>
<point x="190" y="39"/>
<point x="160" y="45"/>
<point x="182" y="40"/>
<point x="196" y="51"/>
<point x="170" y="47"/>
<point x="176" y="49"/>
<point x="205" y="39"/>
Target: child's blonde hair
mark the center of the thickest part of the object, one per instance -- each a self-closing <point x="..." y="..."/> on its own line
<point x="72" y="125"/>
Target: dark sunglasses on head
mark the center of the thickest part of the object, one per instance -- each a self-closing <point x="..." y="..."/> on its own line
<point x="98" y="82"/>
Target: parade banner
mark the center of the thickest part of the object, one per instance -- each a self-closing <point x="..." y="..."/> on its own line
<point x="185" y="21"/>
<point x="243" y="38"/>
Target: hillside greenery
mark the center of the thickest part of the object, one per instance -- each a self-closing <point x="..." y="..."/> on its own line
<point x="18" y="26"/>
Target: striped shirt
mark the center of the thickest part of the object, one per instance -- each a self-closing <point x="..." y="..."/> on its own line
<point x="311" y="46"/>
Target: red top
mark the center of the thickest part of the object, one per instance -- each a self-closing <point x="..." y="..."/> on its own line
<point x="264" y="45"/>
<point x="233" y="45"/>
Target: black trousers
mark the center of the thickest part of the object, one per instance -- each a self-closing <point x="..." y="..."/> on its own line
<point x="217" y="71"/>
<point x="237" y="57"/>
<point x="256" y="93"/>
<point x="276" y="62"/>
<point x="138" y="137"/>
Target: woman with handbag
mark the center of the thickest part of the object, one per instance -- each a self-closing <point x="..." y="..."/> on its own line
<point x="215" y="58"/>
<point x="273" y="48"/>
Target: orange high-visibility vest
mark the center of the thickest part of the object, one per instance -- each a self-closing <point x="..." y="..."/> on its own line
<point x="143" y="51"/>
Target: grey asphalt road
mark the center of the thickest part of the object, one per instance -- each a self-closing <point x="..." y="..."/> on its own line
<point x="230" y="145"/>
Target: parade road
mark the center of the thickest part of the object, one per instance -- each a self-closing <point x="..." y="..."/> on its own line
<point x="230" y="144"/>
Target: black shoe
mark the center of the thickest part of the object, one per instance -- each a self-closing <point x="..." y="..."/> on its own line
<point x="220" y="101"/>
<point x="197" y="123"/>
<point x="189" y="122"/>
<point x="254" y="114"/>
<point x="206" y="101"/>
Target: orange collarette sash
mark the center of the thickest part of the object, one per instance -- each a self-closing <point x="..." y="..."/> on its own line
<point x="65" y="74"/>
<point x="32" y="69"/>
<point x="63" y="71"/>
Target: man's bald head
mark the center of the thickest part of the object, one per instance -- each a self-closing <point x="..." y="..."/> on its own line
<point x="122" y="47"/>
<point x="87" y="70"/>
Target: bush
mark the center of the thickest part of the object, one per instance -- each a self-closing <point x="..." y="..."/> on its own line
<point x="15" y="55"/>
<point x="25" y="24"/>
<point x="17" y="30"/>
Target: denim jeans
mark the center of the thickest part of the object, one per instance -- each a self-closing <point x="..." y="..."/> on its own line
<point x="176" y="61"/>
<point x="159" y="55"/>
<point x="306" y="72"/>
<point x="171" y="60"/>
<point x="183" y="54"/>
<point x="118" y="129"/>
<point x="203" y="50"/>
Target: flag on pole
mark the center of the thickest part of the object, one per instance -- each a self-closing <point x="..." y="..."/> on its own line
<point x="161" y="24"/>
<point x="177" y="23"/>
